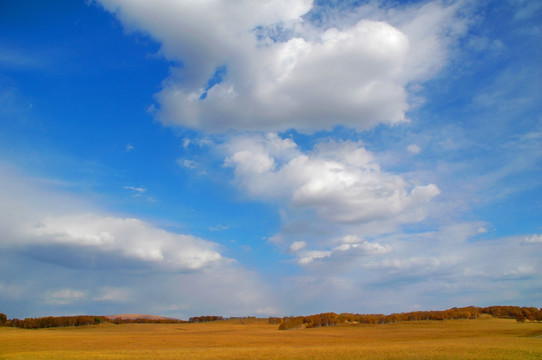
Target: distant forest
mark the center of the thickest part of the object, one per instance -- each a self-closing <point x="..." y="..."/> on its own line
<point x="82" y="320"/>
<point x="199" y="319"/>
<point x="521" y="314"/>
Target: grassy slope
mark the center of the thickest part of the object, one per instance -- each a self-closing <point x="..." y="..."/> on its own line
<point x="487" y="338"/>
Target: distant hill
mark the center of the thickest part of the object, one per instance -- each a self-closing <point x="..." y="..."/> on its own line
<point x="134" y="317"/>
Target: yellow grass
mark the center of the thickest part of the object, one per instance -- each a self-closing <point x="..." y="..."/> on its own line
<point x="487" y="338"/>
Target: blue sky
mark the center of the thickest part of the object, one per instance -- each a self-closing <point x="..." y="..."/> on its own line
<point x="269" y="158"/>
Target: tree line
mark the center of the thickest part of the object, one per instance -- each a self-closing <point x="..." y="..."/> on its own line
<point x="521" y="314"/>
<point x="86" y="320"/>
<point x="81" y="320"/>
<point x="200" y="319"/>
<point x="52" y="321"/>
<point x="119" y="320"/>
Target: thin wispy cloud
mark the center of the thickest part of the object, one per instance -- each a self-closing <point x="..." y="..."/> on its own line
<point x="137" y="190"/>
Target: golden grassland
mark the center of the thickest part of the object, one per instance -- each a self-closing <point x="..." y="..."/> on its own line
<point x="485" y="338"/>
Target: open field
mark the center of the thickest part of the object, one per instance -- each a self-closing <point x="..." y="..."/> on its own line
<point x="486" y="338"/>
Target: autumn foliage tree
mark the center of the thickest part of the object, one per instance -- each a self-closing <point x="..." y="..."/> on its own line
<point x="521" y="314"/>
<point x="199" y="319"/>
<point x="55" y="321"/>
<point x="515" y="312"/>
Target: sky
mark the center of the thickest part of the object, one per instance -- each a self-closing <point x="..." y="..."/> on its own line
<point x="269" y="158"/>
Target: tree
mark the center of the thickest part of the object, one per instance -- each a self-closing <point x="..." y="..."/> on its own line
<point x="3" y="319"/>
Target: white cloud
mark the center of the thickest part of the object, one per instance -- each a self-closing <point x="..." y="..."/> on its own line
<point x="281" y="71"/>
<point x="297" y="246"/>
<point x="482" y="230"/>
<point x="90" y="253"/>
<point x="454" y="255"/>
<point x="397" y="265"/>
<point x="189" y="164"/>
<point x="519" y="271"/>
<point x="341" y="182"/>
<point x="10" y="291"/>
<point x="447" y="267"/>
<point x="124" y="237"/>
<point x="533" y="239"/>
<point x="33" y="216"/>
<point x="312" y="255"/>
<point x="414" y="149"/>
<point x="64" y="296"/>
<point x="350" y="248"/>
<point x="113" y="294"/>
<point x="219" y="227"/>
<point x="137" y="190"/>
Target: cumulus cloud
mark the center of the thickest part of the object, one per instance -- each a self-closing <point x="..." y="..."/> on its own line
<point x="76" y="244"/>
<point x="265" y="66"/>
<point x="125" y="237"/>
<point x="341" y="182"/>
<point x="30" y="222"/>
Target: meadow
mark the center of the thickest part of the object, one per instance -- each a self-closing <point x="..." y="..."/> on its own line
<point x="483" y="338"/>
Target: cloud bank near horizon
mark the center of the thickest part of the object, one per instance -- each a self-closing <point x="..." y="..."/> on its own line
<point x="47" y="225"/>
